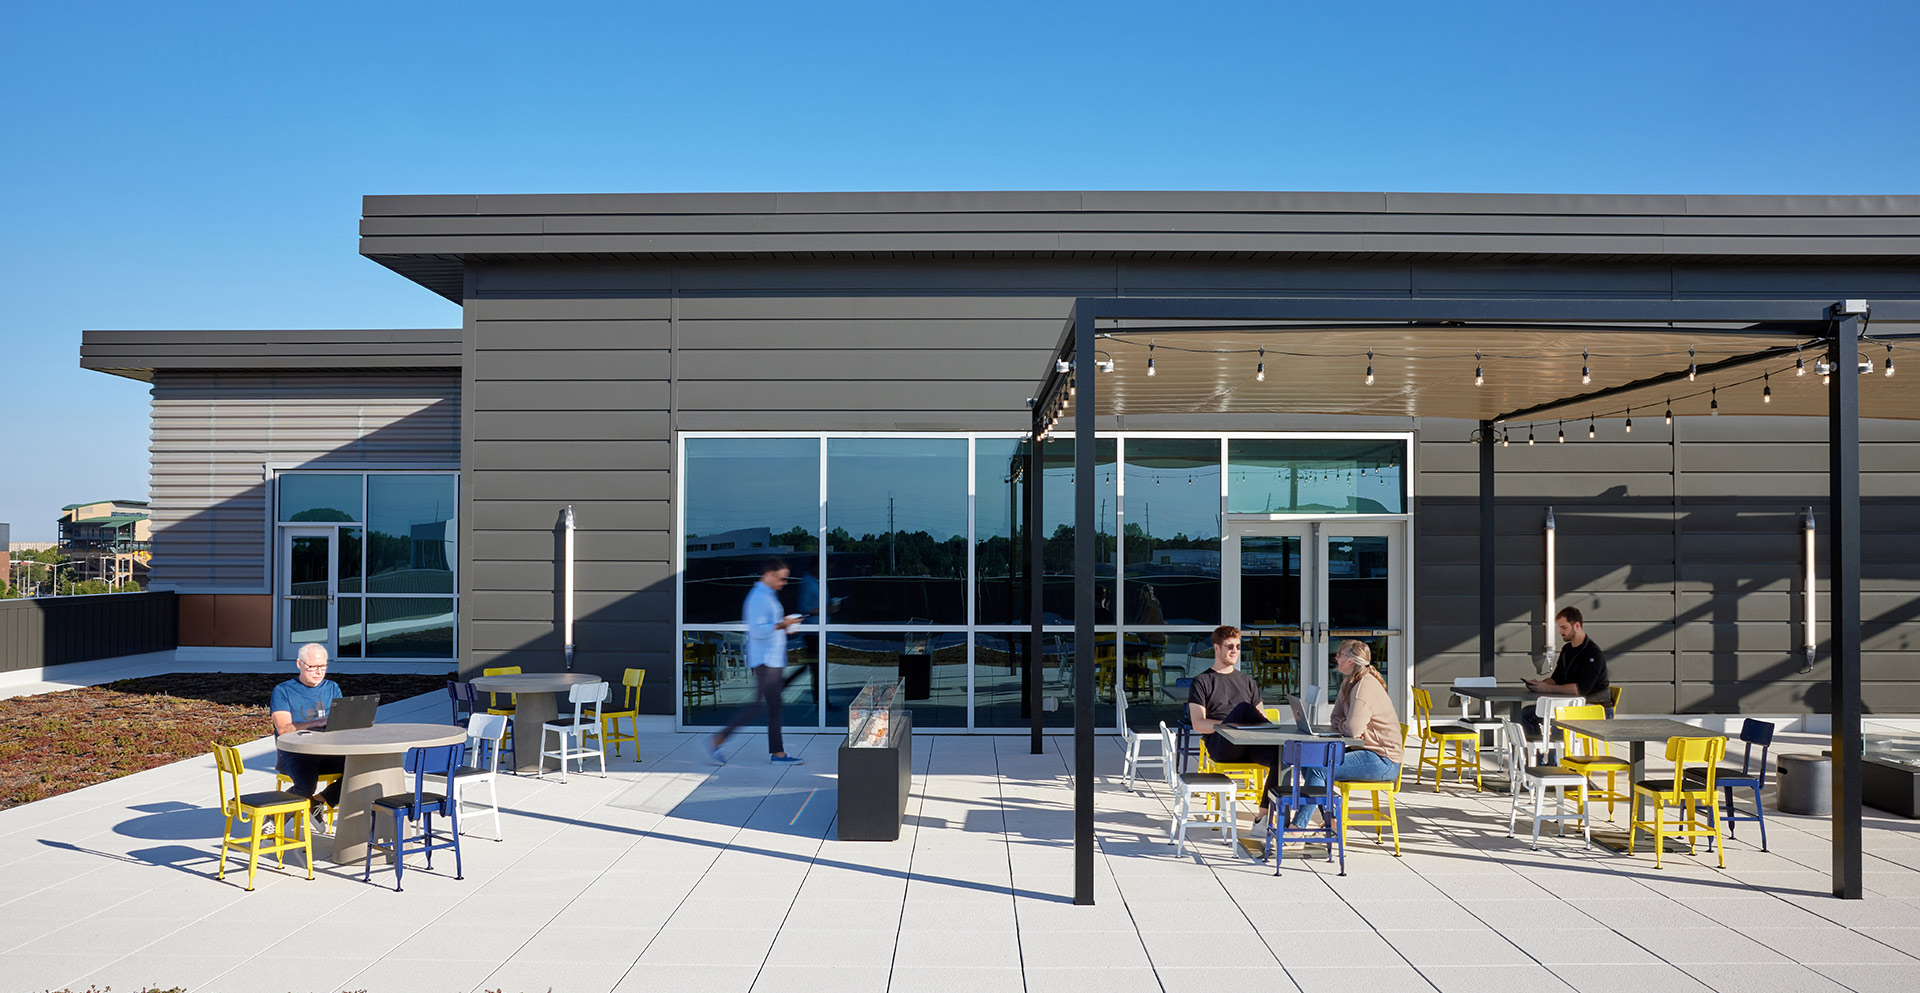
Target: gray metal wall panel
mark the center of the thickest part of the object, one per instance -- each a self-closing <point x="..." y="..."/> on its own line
<point x="214" y="433"/>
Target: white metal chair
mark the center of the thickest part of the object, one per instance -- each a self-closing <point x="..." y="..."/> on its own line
<point x="1536" y="770"/>
<point x="1188" y="785"/>
<point x="481" y="768"/>
<point x="580" y="728"/>
<point x="1137" y="745"/>
<point x="1547" y="706"/>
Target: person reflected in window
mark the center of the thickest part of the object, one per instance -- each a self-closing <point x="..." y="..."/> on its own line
<point x="1363" y="710"/>
<point x="1579" y="670"/>
<point x="1225" y="695"/>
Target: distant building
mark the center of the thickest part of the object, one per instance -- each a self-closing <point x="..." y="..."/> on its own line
<point x="109" y="540"/>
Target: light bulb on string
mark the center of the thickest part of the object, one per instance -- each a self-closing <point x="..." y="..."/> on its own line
<point x="1369" y="367"/>
<point x="1590" y="427"/>
<point x="1669" y="411"/>
<point x="1586" y="371"/>
<point x="1149" y="358"/>
<point x="1629" y="420"/>
<point x="1889" y="360"/>
<point x="1260" y="371"/>
<point x="1506" y="440"/>
<point x="1799" y="363"/>
<point x="1529" y="434"/>
<point x="1480" y="377"/>
<point x="1693" y="369"/>
<point x="1713" y="405"/>
<point x="1563" y="432"/>
<point x="1766" y="389"/>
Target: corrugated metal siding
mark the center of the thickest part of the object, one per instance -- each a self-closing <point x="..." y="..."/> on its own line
<point x="213" y="434"/>
<point x="579" y="377"/>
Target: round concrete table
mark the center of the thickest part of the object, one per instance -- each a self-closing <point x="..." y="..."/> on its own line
<point x="372" y="771"/>
<point x="534" y="705"/>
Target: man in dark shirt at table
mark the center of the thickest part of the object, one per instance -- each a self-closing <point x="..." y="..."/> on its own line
<point x="1580" y="669"/>
<point x="1225" y="695"/>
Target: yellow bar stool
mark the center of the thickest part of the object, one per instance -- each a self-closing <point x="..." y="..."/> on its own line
<point x="277" y="819"/>
<point x="1462" y="740"/>
<point x="1692" y="787"/>
<point x="1376" y="818"/>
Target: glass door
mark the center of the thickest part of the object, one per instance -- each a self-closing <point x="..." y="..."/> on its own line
<point x="1267" y="596"/>
<point x="1362" y="589"/>
<point x="309" y="589"/>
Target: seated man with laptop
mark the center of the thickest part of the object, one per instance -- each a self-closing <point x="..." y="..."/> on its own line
<point x="1363" y="710"/>
<point x="312" y="702"/>
<point x="1225" y="695"/>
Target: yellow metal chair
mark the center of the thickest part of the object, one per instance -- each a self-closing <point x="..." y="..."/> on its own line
<point x="1464" y="741"/>
<point x="1693" y="787"/>
<point x="1613" y="703"/>
<point x="1250" y="778"/>
<point x="281" y="781"/>
<point x="494" y="706"/>
<point x="282" y="812"/>
<point x="1589" y="756"/>
<point x="629" y="709"/>
<point x="1376" y="819"/>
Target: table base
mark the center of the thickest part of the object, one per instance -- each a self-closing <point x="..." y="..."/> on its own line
<point x="530" y="711"/>
<point x="366" y="778"/>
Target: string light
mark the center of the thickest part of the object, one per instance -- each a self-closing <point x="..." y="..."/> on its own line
<point x="1260" y="372"/>
<point x="1669" y="411"/>
<point x="1586" y="372"/>
<point x="1692" y="368"/>
<point x="1563" y="432"/>
<point x="1589" y="427"/>
<point x="1480" y="378"/>
<point x="1889" y="360"/>
<point x="1529" y="434"/>
<point x="1369" y="367"/>
<point x="1149" y="358"/>
<point x="1629" y="420"/>
<point x="1799" y="363"/>
<point x="1766" y="388"/>
<point x="1713" y="405"/>
<point x="1506" y="440"/>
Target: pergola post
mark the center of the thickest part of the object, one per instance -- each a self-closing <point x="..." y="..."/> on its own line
<point x="1082" y="376"/>
<point x="1486" y="548"/>
<point x="1036" y="578"/>
<point x="1843" y="475"/>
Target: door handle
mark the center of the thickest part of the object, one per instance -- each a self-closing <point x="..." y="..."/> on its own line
<point x="309" y="596"/>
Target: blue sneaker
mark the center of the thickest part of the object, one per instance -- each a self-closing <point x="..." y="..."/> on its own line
<point x="719" y="755"/>
<point x="785" y="759"/>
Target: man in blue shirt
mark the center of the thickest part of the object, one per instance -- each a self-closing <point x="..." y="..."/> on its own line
<point x="301" y="704"/>
<point x="767" y="627"/>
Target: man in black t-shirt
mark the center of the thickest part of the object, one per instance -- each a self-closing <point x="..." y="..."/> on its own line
<point x="1580" y="669"/>
<point x="1225" y="695"/>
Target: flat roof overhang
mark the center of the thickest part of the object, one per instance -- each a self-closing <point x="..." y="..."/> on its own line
<point x="139" y="354"/>
<point x="432" y="239"/>
<point x="1648" y="350"/>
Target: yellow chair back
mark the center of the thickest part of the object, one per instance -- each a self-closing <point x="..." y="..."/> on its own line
<point x="1614" y="701"/>
<point x="1423" y="711"/>
<point x="227" y="758"/>
<point x="493" y="699"/>
<point x="632" y="679"/>
<point x="1686" y="752"/>
<point x="1580" y="745"/>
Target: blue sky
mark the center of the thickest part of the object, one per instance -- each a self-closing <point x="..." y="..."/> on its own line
<point x="201" y="165"/>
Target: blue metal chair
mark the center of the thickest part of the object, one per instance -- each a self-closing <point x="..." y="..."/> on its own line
<point x="1299" y="795"/>
<point x="1750" y="777"/>
<point x="419" y="807"/>
<point x="465" y="700"/>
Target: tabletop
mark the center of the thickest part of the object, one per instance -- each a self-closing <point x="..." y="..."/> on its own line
<point x="380" y="739"/>
<point x="533" y="682"/>
<point x="1274" y="734"/>
<point x="1496" y="694"/>
<point x="1636" y="729"/>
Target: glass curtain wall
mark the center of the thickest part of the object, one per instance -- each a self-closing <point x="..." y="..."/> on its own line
<point x="394" y="557"/>
<point x="910" y="556"/>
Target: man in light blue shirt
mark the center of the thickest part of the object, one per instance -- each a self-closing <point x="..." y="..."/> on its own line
<point x="767" y="627"/>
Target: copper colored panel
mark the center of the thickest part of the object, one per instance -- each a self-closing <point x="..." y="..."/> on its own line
<point x="243" y="621"/>
<point x="196" y="619"/>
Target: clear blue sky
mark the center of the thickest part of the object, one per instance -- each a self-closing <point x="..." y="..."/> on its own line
<point x="201" y="165"/>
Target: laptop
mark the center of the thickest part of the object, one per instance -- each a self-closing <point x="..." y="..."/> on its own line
<point x="352" y="712"/>
<point x="1304" y="723"/>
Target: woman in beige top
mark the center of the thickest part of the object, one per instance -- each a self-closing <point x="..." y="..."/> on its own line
<point x="1363" y="710"/>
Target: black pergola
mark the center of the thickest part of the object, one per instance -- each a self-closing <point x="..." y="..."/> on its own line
<point x="1757" y="330"/>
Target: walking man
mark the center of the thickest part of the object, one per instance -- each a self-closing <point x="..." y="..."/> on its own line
<point x="766" y="658"/>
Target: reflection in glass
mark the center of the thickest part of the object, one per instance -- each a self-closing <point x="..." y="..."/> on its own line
<point x="350" y="548"/>
<point x="1314" y="476"/>
<point x="748" y="499"/>
<point x="409" y="627"/>
<point x="1057" y="526"/>
<point x="1358" y="574"/>
<point x="1158" y="664"/>
<point x="999" y="526"/>
<point x="410" y="543"/>
<point x="1173" y="531"/>
<point x="934" y="667"/>
<point x="715" y="680"/>
<point x="319" y="496"/>
<point x="1000" y="674"/>
<point x="1269" y="581"/>
<point x="896" y="530"/>
<point x="352" y="636"/>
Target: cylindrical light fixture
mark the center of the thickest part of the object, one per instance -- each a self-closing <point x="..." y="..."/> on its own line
<point x="1807" y="638"/>
<point x="1553" y="633"/>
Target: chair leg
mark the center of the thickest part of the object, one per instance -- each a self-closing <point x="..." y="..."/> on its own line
<point x="1539" y="808"/>
<point x="306" y="839"/>
<point x="253" y="851"/>
<point x="1513" y="810"/>
<point x="1760" y="814"/>
<point x="493" y="793"/>
<point x="1393" y="814"/>
<point x="399" y="851"/>
<point x="226" y="838"/>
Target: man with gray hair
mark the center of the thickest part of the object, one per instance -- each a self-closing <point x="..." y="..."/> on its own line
<point x="301" y="704"/>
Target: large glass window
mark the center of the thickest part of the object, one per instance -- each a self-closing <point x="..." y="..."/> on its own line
<point x="1000" y="556"/>
<point x="749" y="499"/>
<point x="410" y="535"/>
<point x="320" y="497"/>
<point x="933" y="666"/>
<point x="1315" y="476"/>
<point x="1173" y="531"/>
<point x="1057" y="527"/>
<point x="897" y="530"/>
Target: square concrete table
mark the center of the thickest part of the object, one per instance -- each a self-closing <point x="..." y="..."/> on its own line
<point x="1635" y="732"/>
<point x="372" y="771"/>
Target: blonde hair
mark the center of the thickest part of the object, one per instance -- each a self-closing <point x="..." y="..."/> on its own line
<point x="1363" y="654"/>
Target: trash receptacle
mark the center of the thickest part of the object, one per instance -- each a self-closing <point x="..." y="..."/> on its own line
<point x="1806" y="784"/>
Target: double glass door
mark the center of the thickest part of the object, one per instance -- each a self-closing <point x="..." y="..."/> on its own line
<point x="1298" y="588"/>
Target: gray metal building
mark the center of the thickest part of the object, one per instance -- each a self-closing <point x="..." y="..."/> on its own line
<point x="417" y="475"/>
